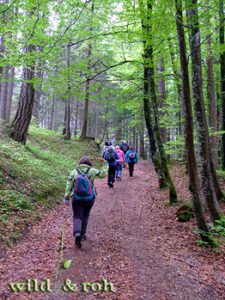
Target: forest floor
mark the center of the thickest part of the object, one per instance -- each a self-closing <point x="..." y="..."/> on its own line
<point x="134" y="241"/>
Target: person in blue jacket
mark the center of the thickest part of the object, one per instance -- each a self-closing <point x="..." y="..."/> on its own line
<point x="111" y="156"/>
<point x="131" y="158"/>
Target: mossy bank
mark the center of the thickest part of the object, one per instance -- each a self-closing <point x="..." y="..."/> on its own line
<point x="32" y="177"/>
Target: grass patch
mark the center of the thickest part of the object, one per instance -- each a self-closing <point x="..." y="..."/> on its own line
<point x="33" y="177"/>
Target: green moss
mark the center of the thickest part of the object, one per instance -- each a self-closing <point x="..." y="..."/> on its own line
<point x="34" y="176"/>
<point x="185" y="213"/>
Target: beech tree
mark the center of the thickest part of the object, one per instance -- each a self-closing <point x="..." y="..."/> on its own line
<point x="201" y="121"/>
<point x="194" y="184"/>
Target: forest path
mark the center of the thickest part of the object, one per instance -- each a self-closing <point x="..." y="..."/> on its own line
<point x="134" y="241"/>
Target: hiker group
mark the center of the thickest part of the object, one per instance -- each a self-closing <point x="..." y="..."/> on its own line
<point x="80" y="185"/>
<point x="117" y="158"/>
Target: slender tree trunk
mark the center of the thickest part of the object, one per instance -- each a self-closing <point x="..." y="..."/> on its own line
<point x="76" y="119"/>
<point x="4" y="94"/>
<point x="162" y="95"/>
<point x="10" y="93"/>
<point x="147" y="28"/>
<point x="87" y="85"/>
<point x="67" y="119"/>
<point x="21" y="122"/>
<point x="201" y="122"/>
<point x="212" y="116"/>
<point x="142" y="140"/>
<point x="37" y="98"/>
<point x="188" y="126"/>
<point x="52" y="113"/>
<point x="1" y="68"/>
<point x="86" y="106"/>
<point x="222" y="79"/>
<point x="212" y="102"/>
<point x="176" y="74"/>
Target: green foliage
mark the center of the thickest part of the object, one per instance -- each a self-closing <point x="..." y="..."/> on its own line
<point x="216" y="235"/>
<point x="218" y="228"/>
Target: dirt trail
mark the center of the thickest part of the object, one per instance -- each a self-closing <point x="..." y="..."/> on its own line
<point x="134" y="241"/>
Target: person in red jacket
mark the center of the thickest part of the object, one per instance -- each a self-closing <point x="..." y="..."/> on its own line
<point x="119" y="162"/>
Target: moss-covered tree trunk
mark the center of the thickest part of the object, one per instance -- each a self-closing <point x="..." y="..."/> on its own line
<point x="222" y="75"/>
<point x="194" y="185"/>
<point x="201" y="121"/>
<point x="151" y="105"/>
<point x="155" y="110"/>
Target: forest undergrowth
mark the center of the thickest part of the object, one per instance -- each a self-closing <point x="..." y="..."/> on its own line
<point x="33" y="176"/>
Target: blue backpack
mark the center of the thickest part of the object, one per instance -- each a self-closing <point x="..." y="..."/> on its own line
<point x="83" y="187"/>
<point x="110" y="156"/>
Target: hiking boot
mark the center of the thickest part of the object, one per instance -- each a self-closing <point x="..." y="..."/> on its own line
<point x="78" y="240"/>
<point x="110" y="184"/>
<point x="83" y="237"/>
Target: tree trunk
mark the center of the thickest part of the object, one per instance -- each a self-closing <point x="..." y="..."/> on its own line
<point x="86" y="106"/>
<point x="67" y="117"/>
<point x="148" y="56"/>
<point x="4" y="94"/>
<point x="37" y="98"/>
<point x="212" y="101"/>
<point x="21" y="122"/>
<point x="162" y="96"/>
<point x="76" y="119"/>
<point x="142" y="140"/>
<point x="222" y="79"/>
<point x="87" y="85"/>
<point x="201" y="122"/>
<point x="180" y="129"/>
<point x="52" y="113"/>
<point x="10" y="93"/>
<point x="188" y="126"/>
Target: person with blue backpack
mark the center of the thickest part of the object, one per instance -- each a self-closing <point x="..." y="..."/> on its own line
<point x="111" y="157"/>
<point x="131" y="158"/>
<point x="80" y="188"/>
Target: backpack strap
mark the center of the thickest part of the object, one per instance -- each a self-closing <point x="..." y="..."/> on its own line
<point x="86" y="173"/>
<point x="81" y="173"/>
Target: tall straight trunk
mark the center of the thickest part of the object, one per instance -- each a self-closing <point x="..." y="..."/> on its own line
<point x="162" y="95"/>
<point x="76" y="119"/>
<point x="136" y="138"/>
<point x="178" y="86"/>
<point x="222" y="74"/>
<point x="201" y="122"/>
<point x="86" y="106"/>
<point x="211" y="92"/>
<point x="194" y="185"/>
<point x="52" y="113"/>
<point x="87" y="84"/>
<point x="67" y="117"/>
<point x="4" y="94"/>
<point x="37" y="97"/>
<point x="151" y="135"/>
<point x="10" y="93"/>
<point x="1" y="68"/>
<point x="212" y="100"/>
<point x="151" y="110"/>
<point x="154" y="103"/>
<point x="118" y="132"/>
<point x="141" y="129"/>
<point x="21" y="121"/>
